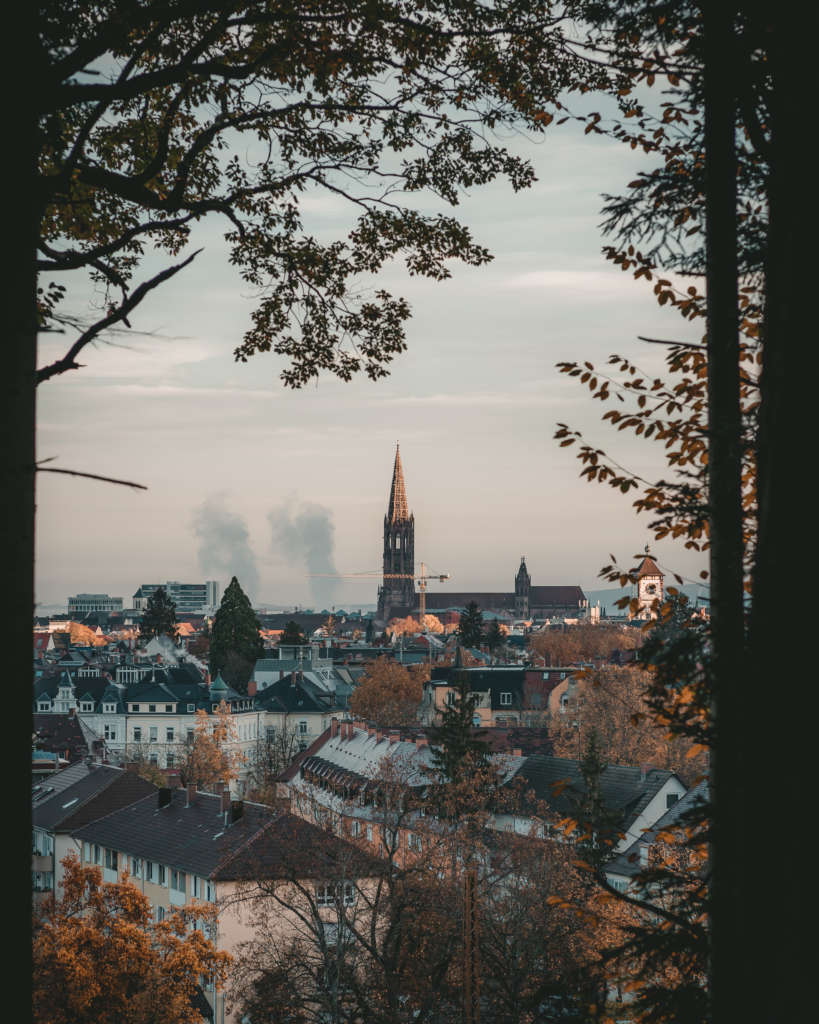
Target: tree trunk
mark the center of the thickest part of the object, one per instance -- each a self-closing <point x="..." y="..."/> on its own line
<point x="17" y="452"/>
<point x="785" y="755"/>
<point x="729" y="904"/>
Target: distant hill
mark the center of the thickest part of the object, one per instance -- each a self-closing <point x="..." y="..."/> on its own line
<point x="608" y="597"/>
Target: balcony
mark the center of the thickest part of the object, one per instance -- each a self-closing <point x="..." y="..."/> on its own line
<point x="41" y="862"/>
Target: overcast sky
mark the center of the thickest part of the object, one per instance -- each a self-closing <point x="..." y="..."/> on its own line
<point x="247" y="477"/>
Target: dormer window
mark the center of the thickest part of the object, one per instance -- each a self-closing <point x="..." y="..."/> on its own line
<point x="87" y="706"/>
<point x="135" y="707"/>
<point x="169" y="707"/>
<point x="44" y="706"/>
<point x="152" y="707"/>
<point x="191" y="708"/>
<point x="109" y="708"/>
<point x="506" y="698"/>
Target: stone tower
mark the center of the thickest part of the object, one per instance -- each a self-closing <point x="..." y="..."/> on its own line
<point x="396" y="595"/>
<point x="522" y="583"/>
<point x="649" y="586"/>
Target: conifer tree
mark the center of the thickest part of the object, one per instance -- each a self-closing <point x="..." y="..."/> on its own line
<point x="159" y="617"/>
<point x="470" y="627"/>
<point x="235" y="640"/>
<point x="495" y="637"/>
<point x="456" y="741"/>
<point x="293" y="635"/>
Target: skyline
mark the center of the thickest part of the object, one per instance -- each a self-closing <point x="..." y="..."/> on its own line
<point x="226" y="450"/>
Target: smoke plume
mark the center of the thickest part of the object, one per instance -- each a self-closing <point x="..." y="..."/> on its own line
<point x="302" y="534"/>
<point x="224" y="545"/>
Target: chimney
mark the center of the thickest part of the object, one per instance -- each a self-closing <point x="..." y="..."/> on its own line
<point x="644" y="770"/>
<point x="164" y="797"/>
<point x="421" y="741"/>
<point x="333" y="728"/>
<point x="225" y="801"/>
<point x="190" y="790"/>
<point x="237" y="809"/>
<point x="370" y="730"/>
<point x="379" y="735"/>
<point x="394" y="737"/>
<point x="517" y="752"/>
<point x="252" y="688"/>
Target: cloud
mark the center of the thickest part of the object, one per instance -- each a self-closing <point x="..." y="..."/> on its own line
<point x="224" y="545"/>
<point x="302" y="533"/>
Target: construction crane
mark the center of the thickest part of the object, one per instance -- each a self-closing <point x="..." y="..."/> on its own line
<point x="422" y="580"/>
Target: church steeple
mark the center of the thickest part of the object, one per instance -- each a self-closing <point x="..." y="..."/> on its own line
<point x="396" y="595"/>
<point x="398" y="509"/>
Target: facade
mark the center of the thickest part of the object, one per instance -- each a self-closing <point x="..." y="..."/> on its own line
<point x="183" y="848"/>
<point x="83" y="604"/>
<point x="189" y="598"/>
<point x="396" y="595"/>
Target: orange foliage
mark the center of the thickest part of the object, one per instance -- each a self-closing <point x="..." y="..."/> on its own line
<point x="410" y="626"/>
<point x="611" y="702"/>
<point x="389" y="694"/>
<point x="583" y="643"/>
<point x="99" y="957"/>
<point x="212" y="757"/>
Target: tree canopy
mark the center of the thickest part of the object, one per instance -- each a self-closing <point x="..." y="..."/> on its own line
<point x="235" y="641"/>
<point x="470" y="626"/>
<point x="388" y="693"/>
<point x="159" y="616"/>
<point x="292" y="635"/>
<point x="99" y="956"/>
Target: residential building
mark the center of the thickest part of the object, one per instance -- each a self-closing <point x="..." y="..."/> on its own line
<point x="296" y="704"/>
<point x="182" y="847"/>
<point x="68" y="799"/>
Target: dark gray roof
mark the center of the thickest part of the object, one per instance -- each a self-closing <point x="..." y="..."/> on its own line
<point x="294" y="695"/>
<point x="193" y="838"/>
<point x="60" y="796"/>
<point x="628" y="862"/>
<point x="558" y="782"/>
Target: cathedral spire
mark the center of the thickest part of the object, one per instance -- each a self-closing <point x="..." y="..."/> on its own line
<point x="398" y="510"/>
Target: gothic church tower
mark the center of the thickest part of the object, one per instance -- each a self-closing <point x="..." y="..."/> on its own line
<point x="523" y="581"/>
<point x="396" y="595"/>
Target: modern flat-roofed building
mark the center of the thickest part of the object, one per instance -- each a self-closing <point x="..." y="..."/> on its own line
<point x="81" y="604"/>
<point x="189" y="598"/>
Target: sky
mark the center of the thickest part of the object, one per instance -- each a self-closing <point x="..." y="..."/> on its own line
<point x="246" y="477"/>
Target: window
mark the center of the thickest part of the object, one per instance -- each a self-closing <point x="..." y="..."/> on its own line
<point x="169" y="760"/>
<point x="169" y="734"/>
<point x="161" y="874"/>
<point x="97" y="854"/>
<point x="44" y="706"/>
<point x="109" y="708"/>
<point x="169" y="707"/>
<point x="414" y="841"/>
<point x="135" y="707"/>
<point x="189" y="735"/>
<point x="369" y="833"/>
<point x="136" y="867"/>
<point x="87" y="706"/>
<point x="160" y="913"/>
<point x="86" y="852"/>
<point x="450" y="697"/>
<point x="191" y="708"/>
<point x="643" y="856"/>
<point x="153" y="758"/>
<point x="137" y="734"/>
<point x="195" y="887"/>
<point x="111" y="860"/>
<point x="149" y="871"/>
<point x="152" y="707"/>
<point x="506" y="698"/>
<point x="152" y="734"/>
<point x="110" y="732"/>
<point x="302" y="727"/>
<point x="327" y="894"/>
<point x="671" y="799"/>
<point x="355" y="828"/>
<point x="178" y="880"/>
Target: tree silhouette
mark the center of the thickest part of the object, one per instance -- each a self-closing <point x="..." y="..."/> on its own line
<point x="470" y="626"/>
<point x="159" y="617"/>
<point x="235" y="641"/>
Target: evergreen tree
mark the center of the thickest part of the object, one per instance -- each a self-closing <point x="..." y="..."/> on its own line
<point x="470" y="626"/>
<point x="235" y="639"/>
<point x="159" y="617"/>
<point x="369" y="636"/>
<point x="456" y="740"/>
<point x="293" y="635"/>
<point x="495" y="637"/>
